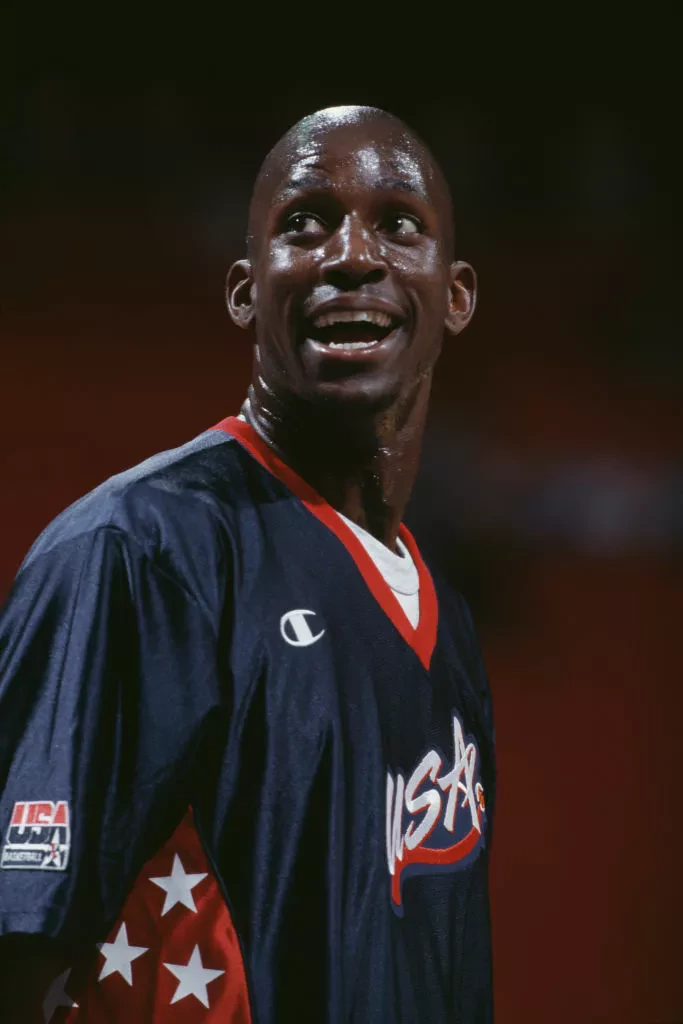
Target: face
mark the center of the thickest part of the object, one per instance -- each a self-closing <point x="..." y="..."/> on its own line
<point x="350" y="285"/>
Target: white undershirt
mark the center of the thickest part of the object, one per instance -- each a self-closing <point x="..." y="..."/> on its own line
<point x="399" y="570"/>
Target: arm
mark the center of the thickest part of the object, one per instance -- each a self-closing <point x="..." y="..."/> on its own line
<point x="107" y="675"/>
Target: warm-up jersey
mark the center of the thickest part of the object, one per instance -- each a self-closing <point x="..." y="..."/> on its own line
<point x="233" y="774"/>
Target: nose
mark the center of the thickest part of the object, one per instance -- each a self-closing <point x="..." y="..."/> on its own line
<point x="352" y="258"/>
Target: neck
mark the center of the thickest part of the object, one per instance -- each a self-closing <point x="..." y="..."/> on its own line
<point x="362" y="463"/>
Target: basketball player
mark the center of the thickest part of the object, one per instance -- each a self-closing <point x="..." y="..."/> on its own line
<point x="246" y="745"/>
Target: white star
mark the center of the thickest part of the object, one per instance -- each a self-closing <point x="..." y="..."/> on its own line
<point x="193" y="978"/>
<point x="56" y="996"/>
<point x="178" y="886"/>
<point x="119" y="956"/>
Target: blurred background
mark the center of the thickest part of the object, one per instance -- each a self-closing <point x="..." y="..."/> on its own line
<point x="551" y="487"/>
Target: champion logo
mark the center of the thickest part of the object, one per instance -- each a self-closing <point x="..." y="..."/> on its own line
<point x="452" y="811"/>
<point x="295" y="628"/>
<point x="38" y="837"/>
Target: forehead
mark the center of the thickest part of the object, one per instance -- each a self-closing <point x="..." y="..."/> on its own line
<point x="363" y="156"/>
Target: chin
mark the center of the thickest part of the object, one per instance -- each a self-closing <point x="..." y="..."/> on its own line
<point x="355" y="396"/>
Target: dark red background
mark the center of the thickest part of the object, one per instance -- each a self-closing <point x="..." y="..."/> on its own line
<point x="124" y="205"/>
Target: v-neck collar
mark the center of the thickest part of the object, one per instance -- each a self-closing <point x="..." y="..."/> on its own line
<point x="421" y="638"/>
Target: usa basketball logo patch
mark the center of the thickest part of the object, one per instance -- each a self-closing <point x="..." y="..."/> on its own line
<point x="435" y="818"/>
<point x="38" y="837"/>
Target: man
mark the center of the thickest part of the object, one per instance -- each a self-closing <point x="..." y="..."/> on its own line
<point x="243" y="627"/>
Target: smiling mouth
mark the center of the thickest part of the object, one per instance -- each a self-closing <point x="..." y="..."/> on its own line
<point x="351" y="330"/>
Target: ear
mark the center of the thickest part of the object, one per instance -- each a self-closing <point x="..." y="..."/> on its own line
<point x="240" y="293"/>
<point x="462" y="297"/>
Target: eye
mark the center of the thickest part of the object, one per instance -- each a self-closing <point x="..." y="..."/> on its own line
<point x="304" y="224"/>
<point x="402" y="224"/>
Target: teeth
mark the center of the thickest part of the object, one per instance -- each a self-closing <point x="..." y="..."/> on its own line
<point x="369" y="316"/>
<point x="350" y="345"/>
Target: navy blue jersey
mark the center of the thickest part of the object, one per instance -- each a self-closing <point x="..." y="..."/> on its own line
<point x="205" y="632"/>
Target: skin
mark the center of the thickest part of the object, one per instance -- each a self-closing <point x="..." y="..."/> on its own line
<point x="349" y="208"/>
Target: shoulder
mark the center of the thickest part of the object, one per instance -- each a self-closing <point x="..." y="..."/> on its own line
<point x="175" y="509"/>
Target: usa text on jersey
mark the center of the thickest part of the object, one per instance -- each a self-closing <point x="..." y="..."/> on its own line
<point x="451" y="829"/>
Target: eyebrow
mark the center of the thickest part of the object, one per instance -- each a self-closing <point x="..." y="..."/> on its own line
<point x="301" y="182"/>
<point x="316" y="181"/>
<point x="400" y="185"/>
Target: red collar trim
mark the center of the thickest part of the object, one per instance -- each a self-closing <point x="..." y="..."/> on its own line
<point x="422" y="639"/>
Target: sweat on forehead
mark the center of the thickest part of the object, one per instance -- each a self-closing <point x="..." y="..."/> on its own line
<point x="304" y="139"/>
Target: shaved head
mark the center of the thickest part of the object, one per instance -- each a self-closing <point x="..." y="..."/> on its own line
<point x="350" y="219"/>
<point x="303" y="141"/>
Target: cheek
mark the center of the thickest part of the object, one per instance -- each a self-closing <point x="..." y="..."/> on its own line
<point x="281" y="260"/>
<point x="291" y="265"/>
<point x="285" y="276"/>
<point x="430" y="296"/>
<point x="424" y="271"/>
